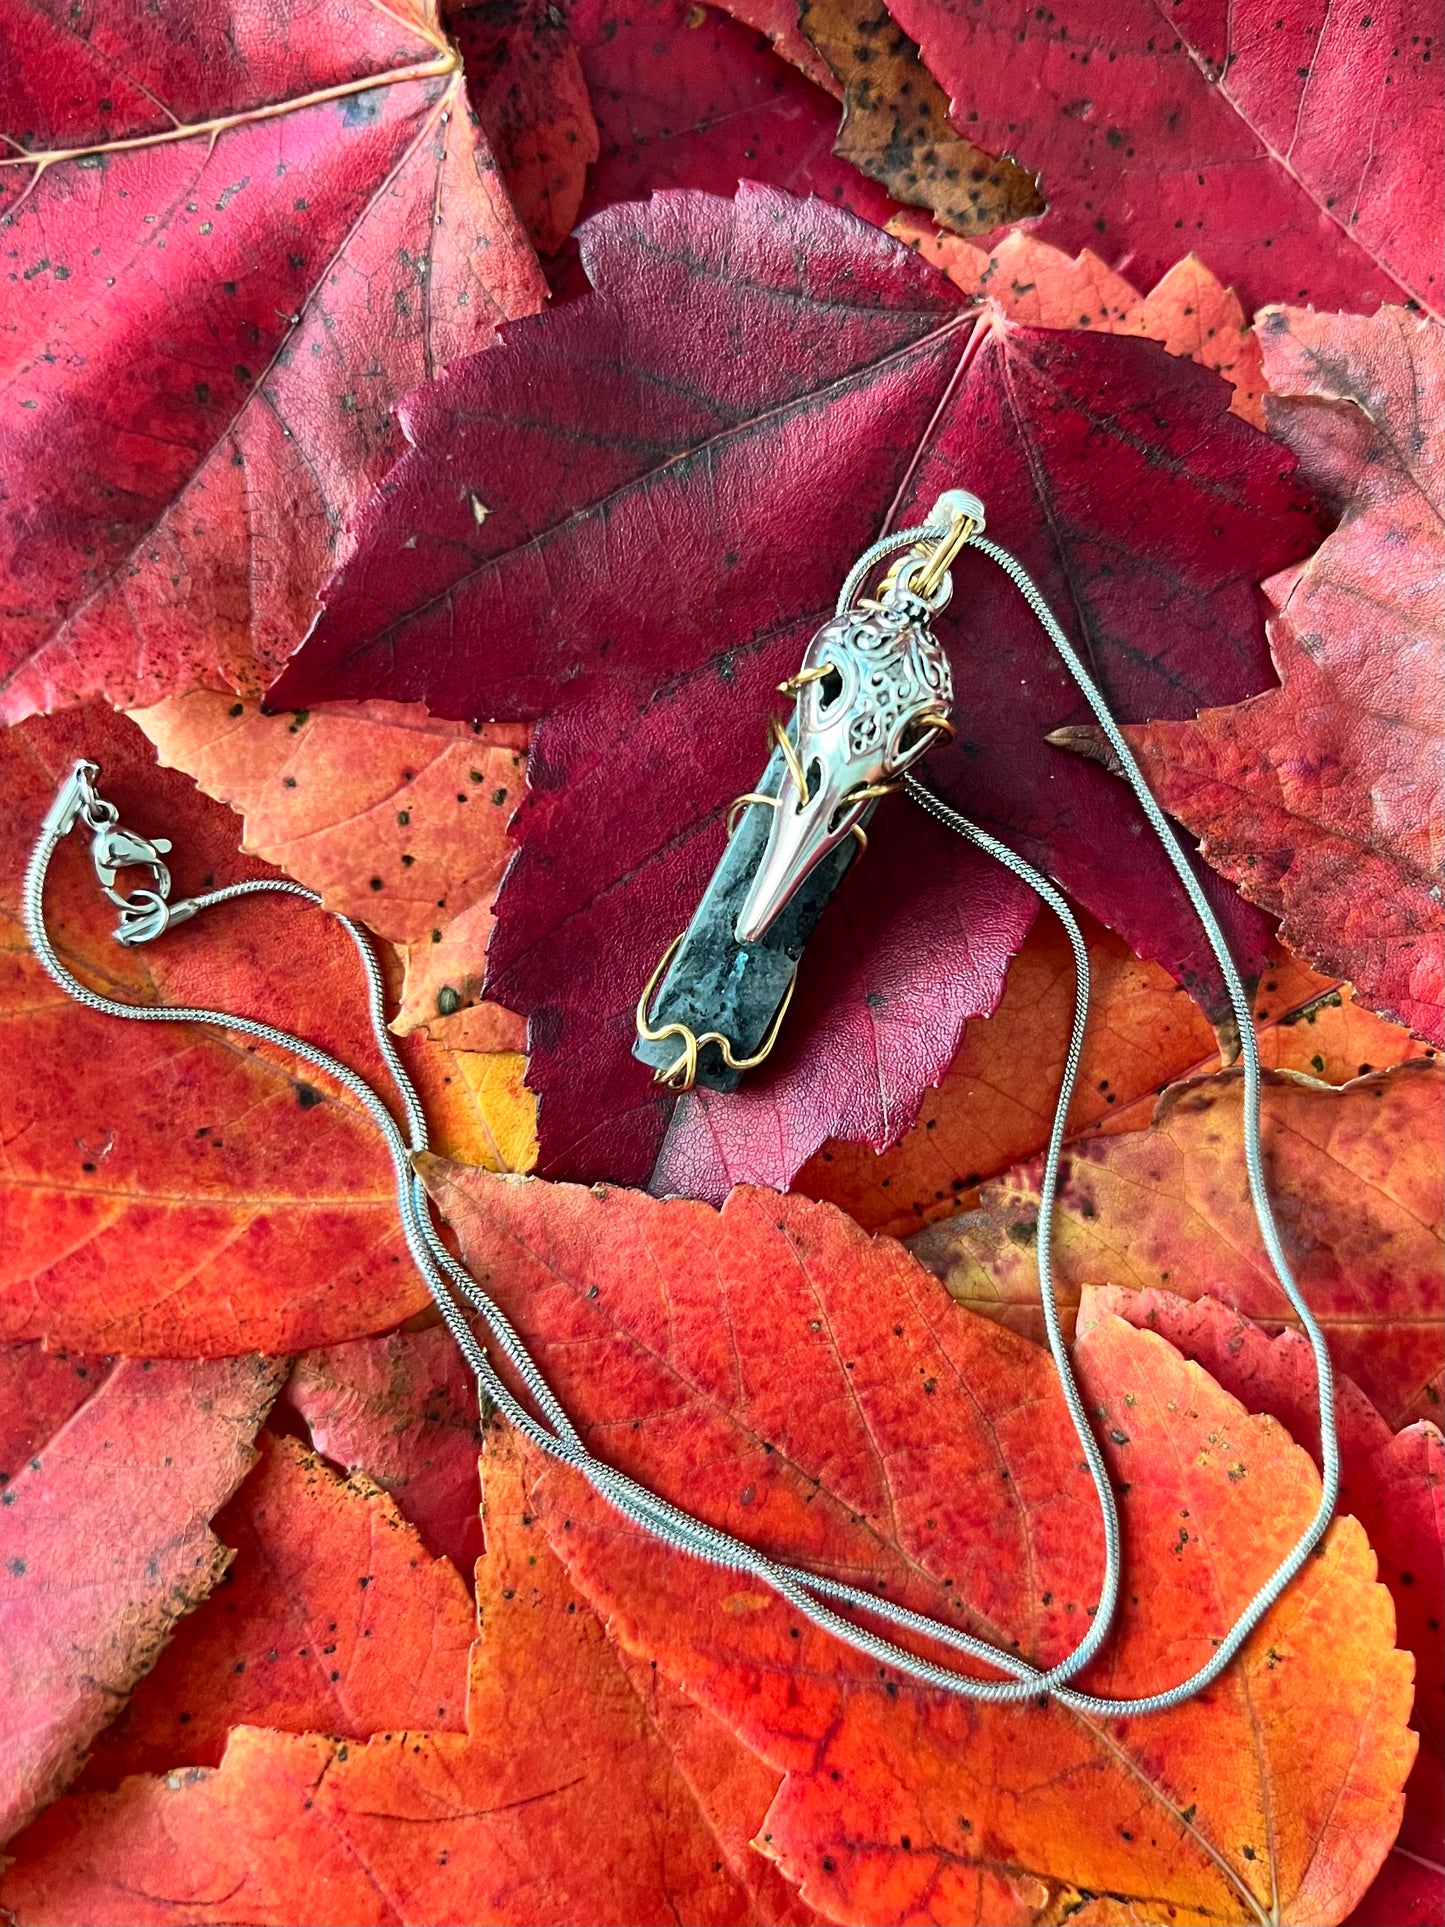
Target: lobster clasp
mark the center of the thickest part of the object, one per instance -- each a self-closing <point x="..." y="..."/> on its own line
<point x="144" y="914"/>
<point x="114" y="849"/>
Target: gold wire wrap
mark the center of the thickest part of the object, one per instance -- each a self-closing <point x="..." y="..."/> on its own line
<point x="866" y="790"/>
<point x="681" y="1073"/>
<point x="741" y="802"/>
<point x="804" y="676"/>
<point x="784" y="742"/>
<point x="938" y="559"/>
<point x="947" y="551"/>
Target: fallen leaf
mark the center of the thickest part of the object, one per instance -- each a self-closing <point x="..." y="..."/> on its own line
<point x="895" y="123"/>
<point x="1321" y="799"/>
<point x="1392" y="1483"/>
<point x="234" y="248"/>
<point x="403" y="1410"/>
<point x="1190" y="311"/>
<point x="332" y="1615"/>
<point x="1407" y="1468"/>
<point x="685" y="97"/>
<point x="525" y="84"/>
<point x="105" y="1544"/>
<point x="1407" y="1892"/>
<point x="699" y="549"/>
<point x="393" y="817"/>
<point x="39" y="1391"/>
<point x="1353" y="1182"/>
<point x="1326" y="1033"/>
<point x="732" y="1787"/>
<point x="809" y="1388"/>
<point x="475" y="1099"/>
<point x="1034" y="283"/>
<point x="994" y="1105"/>
<point x="564" y="1802"/>
<point x="1323" y="1035"/>
<point x="777" y="20"/>
<point x="1252" y="135"/>
<point x="171" y="1190"/>
<point x="871" y="996"/>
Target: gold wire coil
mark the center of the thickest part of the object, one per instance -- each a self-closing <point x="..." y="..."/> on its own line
<point x="947" y="551"/>
<point x="941" y="723"/>
<point x="681" y="1073"/>
<point x="792" y="684"/>
<point x="740" y="803"/>
<point x="937" y="559"/>
<point x="783" y="741"/>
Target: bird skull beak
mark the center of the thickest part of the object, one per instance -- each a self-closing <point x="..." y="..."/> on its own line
<point x="872" y="693"/>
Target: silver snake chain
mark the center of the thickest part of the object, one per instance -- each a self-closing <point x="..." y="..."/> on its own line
<point x="148" y="914"/>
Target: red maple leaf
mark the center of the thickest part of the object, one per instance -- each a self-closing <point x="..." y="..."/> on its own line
<point x="810" y="1386"/>
<point x="230" y="248"/>
<point x="1356" y="1172"/>
<point x="1295" y="146"/>
<point x="105" y="1537"/>
<point x="525" y="83"/>
<point x="786" y="1376"/>
<point x="586" y="1789"/>
<point x="332" y="1616"/>
<point x="155" y="1175"/>
<point x="629" y="518"/>
<point x="1391" y="1482"/>
<point x="1321" y="798"/>
<point x="685" y="97"/>
<point x="402" y="1409"/>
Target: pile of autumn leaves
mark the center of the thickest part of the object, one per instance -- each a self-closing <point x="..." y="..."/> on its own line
<point x="270" y="1651"/>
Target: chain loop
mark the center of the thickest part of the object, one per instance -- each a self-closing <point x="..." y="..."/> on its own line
<point x="814" y="1595"/>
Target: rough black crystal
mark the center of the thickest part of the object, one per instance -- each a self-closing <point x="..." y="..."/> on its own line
<point x="716" y="983"/>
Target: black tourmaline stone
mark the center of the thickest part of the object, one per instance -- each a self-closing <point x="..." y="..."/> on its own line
<point x="716" y="983"/>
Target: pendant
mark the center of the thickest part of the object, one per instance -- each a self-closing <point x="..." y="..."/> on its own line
<point x="873" y="694"/>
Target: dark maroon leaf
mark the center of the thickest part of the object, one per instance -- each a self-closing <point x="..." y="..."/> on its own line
<point x="627" y="521"/>
<point x="235" y="233"/>
<point x="526" y="87"/>
<point x="1294" y="144"/>
<point x="686" y="97"/>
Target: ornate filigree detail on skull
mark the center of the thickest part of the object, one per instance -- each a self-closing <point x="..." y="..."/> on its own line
<point x="874" y="693"/>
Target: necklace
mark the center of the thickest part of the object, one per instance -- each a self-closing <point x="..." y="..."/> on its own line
<point x="871" y="698"/>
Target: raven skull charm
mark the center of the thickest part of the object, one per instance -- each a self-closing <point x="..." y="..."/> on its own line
<point x="873" y="695"/>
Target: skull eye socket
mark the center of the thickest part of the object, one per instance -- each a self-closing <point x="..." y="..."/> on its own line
<point x="830" y="688"/>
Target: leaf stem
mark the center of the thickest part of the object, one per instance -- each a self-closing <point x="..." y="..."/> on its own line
<point x="444" y="63"/>
<point x="976" y="337"/>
